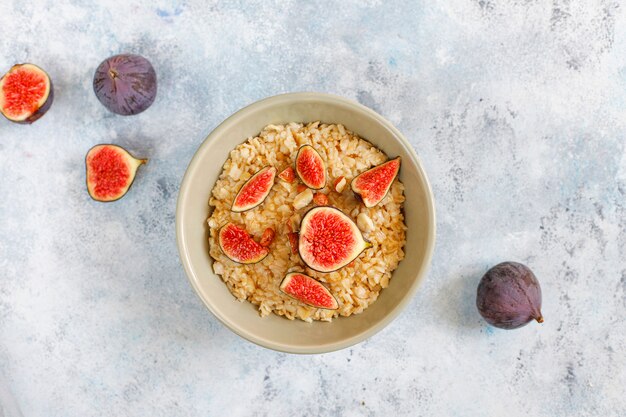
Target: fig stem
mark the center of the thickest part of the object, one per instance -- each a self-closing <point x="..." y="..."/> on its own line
<point x="539" y="319"/>
<point x="113" y="73"/>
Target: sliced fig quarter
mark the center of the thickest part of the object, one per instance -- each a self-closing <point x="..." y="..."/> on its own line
<point x="254" y="191"/>
<point x="110" y="172"/>
<point x="26" y="93"/>
<point x="373" y="185"/>
<point x="288" y="175"/>
<point x="238" y="245"/>
<point x="308" y="290"/>
<point x="329" y="240"/>
<point x="310" y="167"/>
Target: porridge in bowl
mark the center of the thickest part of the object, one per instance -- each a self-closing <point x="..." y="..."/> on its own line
<point x="307" y="221"/>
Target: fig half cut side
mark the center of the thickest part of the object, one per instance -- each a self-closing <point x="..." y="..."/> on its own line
<point x="310" y="167"/>
<point x="308" y="290"/>
<point x="373" y="185"/>
<point x="237" y="244"/>
<point x="111" y="171"/>
<point x="26" y="93"/>
<point x="329" y="239"/>
<point x="254" y="191"/>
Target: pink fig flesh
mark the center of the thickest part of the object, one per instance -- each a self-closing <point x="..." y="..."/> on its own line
<point x="238" y="245"/>
<point x="26" y="93"/>
<point x="254" y="191"/>
<point x="329" y="239"/>
<point x="308" y="290"/>
<point x="373" y="185"/>
<point x="111" y="171"/>
<point x="310" y="167"/>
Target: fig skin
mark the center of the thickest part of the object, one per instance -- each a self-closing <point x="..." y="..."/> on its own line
<point x="509" y="296"/>
<point x="44" y="107"/>
<point x="125" y="84"/>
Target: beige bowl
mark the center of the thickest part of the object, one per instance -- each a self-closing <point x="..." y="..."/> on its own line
<point x="276" y="332"/>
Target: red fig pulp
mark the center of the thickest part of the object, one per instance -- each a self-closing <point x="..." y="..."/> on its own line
<point x="308" y="291"/>
<point x="254" y="191"/>
<point x="288" y="175"/>
<point x="509" y="296"/>
<point x="329" y="239"/>
<point x="26" y="93"/>
<point x="373" y="185"/>
<point x="239" y="246"/>
<point x="125" y="84"/>
<point x="110" y="172"/>
<point x="310" y="167"/>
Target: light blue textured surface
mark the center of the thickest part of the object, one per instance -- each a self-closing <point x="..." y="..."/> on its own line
<point x="516" y="108"/>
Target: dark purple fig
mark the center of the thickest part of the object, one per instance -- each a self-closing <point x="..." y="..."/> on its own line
<point x="509" y="296"/>
<point x="125" y="84"/>
<point x="26" y="93"/>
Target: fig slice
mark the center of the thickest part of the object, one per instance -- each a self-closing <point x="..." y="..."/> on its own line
<point x="26" y="93"/>
<point x="329" y="240"/>
<point x="310" y="167"/>
<point x="110" y="172"/>
<point x="373" y="185"/>
<point x="238" y="245"/>
<point x="254" y="191"/>
<point x="287" y="175"/>
<point x="509" y="296"/>
<point x="308" y="290"/>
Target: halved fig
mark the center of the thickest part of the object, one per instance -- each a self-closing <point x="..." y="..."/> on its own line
<point x="239" y="246"/>
<point x="110" y="172"/>
<point x="26" y="93"/>
<point x="288" y="175"/>
<point x="254" y="191"/>
<point x="329" y="239"/>
<point x="308" y="290"/>
<point x="373" y="185"/>
<point x="310" y="167"/>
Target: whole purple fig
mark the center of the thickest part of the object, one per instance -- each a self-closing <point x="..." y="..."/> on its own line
<point x="509" y="296"/>
<point x="125" y="84"/>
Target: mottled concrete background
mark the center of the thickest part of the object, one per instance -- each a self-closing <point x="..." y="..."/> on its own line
<point x="517" y="109"/>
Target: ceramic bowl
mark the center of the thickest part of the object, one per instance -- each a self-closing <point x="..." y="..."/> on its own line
<point x="276" y="332"/>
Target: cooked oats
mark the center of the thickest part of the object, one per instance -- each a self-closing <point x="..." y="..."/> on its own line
<point x="355" y="286"/>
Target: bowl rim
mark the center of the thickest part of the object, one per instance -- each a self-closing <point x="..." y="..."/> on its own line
<point x="194" y="164"/>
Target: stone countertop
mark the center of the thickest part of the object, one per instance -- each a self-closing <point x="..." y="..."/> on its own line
<point x="516" y="108"/>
